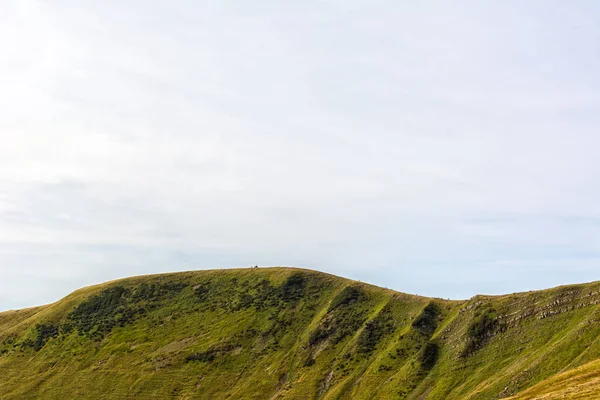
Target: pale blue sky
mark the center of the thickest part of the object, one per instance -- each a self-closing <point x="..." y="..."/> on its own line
<point x="439" y="148"/>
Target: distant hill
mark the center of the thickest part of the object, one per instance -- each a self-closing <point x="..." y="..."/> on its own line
<point x="285" y="333"/>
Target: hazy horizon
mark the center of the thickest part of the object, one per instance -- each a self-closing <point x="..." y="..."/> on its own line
<point x="439" y="149"/>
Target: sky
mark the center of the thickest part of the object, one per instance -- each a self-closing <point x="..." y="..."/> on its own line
<point x="434" y="147"/>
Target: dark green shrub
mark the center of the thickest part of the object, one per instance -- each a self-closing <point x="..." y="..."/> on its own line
<point x="429" y="356"/>
<point x="99" y="314"/>
<point x="347" y="296"/>
<point x="426" y="322"/>
<point x="343" y="317"/>
<point x="375" y="330"/>
<point x="245" y="301"/>
<point x="210" y="354"/>
<point x="384" y="368"/>
<point x="310" y="361"/>
<point x="293" y="288"/>
<point x="317" y="336"/>
<point x="117" y="306"/>
<point x="484" y="325"/>
<point x="202" y="291"/>
<point x="157" y="291"/>
<point x="43" y="333"/>
<point x="204" y="356"/>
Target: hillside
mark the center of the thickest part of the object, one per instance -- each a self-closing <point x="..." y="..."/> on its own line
<point x="287" y="333"/>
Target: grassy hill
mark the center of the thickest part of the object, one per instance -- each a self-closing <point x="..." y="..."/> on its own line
<point x="297" y="334"/>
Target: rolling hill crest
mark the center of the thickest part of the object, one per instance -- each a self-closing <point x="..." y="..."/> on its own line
<point x="271" y="333"/>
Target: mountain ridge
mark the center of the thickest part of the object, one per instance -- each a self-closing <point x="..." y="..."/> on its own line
<point x="299" y="269"/>
<point x="287" y="332"/>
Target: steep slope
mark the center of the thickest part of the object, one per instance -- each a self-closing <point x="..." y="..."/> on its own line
<point x="296" y="334"/>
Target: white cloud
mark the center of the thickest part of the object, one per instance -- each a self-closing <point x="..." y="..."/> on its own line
<point x="366" y="139"/>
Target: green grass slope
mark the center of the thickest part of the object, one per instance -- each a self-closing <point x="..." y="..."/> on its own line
<point x="284" y="333"/>
<point x="578" y="383"/>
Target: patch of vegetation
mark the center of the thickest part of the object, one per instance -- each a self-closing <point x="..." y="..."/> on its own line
<point x="155" y="291"/>
<point x="278" y="326"/>
<point x="210" y="354"/>
<point x="429" y="355"/>
<point x="236" y="295"/>
<point x="384" y="368"/>
<point x="484" y="325"/>
<point x="309" y="361"/>
<point x="346" y="297"/>
<point x="293" y="288"/>
<point x="117" y="306"/>
<point x="375" y="330"/>
<point x="426" y="322"/>
<point x="101" y="313"/>
<point x="265" y="296"/>
<point x="202" y="291"/>
<point x="203" y="356"/>
<point x="44" y="332"/>
<point x="318" y="335"/>
<point x="342" y="319"/>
